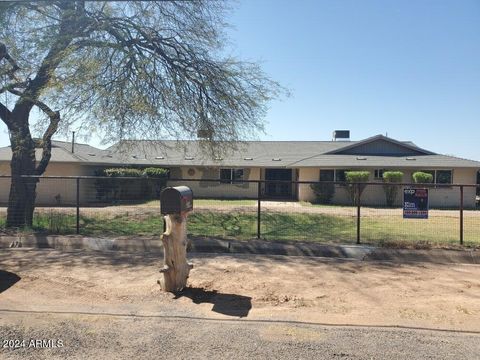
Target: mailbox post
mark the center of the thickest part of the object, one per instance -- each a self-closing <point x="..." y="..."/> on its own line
<point x="175" y="204"/>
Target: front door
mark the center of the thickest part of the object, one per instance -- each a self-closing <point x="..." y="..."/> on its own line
<point x="278" y="189"/>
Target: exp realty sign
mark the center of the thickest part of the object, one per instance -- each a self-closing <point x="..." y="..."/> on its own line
<point x="415" y="203"/>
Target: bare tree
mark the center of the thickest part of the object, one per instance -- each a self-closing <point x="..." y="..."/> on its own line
<point x="151" y="69"/>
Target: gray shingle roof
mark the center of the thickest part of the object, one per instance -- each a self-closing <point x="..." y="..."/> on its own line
<point x="278" y="154"/>
<point x="62" y="152"/>
<point x="286" y="153"/>
<point x="251" y="153"/>
<point x="405" y="147"/>
<point x="401" y="162"/>
<point x="58" y="155"/>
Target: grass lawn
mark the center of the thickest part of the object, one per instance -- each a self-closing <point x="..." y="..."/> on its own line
<point x="197" y="202"/>
<point x="322" y="228"/>
<point x="227" y="202"/>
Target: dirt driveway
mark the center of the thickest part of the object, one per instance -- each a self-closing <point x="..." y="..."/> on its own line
<point x="318" y="290"/>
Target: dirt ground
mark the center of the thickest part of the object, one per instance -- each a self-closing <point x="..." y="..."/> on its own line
<point x="308" y="290"/>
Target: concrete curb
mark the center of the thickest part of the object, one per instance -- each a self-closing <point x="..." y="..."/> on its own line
<point x="209" y="245"/>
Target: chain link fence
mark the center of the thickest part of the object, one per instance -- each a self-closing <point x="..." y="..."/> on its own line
<point x="370" y="213"/>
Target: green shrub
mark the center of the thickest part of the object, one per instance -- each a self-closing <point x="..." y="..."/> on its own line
<point x="357" y="176"/>
<point x="353" y="178"/>
<point x="157" y="180"/>
<point x="393" y="176"/>
<point x="323" y="192"/>
<point x="155" y="172"/>
<point x="391" y="191"/>
<point x="148" y="185"/>
<point x="422" y="177"/>
<point x="122" y="172"/>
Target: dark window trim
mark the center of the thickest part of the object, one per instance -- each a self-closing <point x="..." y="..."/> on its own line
<point x="435" y="175"/>
<point x="325" y="170"/>
<point x="232" y="179"/>
<point x="378" y="170"/>
<point x="337" y="170"/>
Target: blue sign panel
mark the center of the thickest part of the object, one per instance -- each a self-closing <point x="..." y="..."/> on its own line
<point x="415" y="203"/>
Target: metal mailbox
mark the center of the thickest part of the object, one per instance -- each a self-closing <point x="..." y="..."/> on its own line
<point x="175" y="200"/>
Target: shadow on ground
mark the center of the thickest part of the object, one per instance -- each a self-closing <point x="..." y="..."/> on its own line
<point x="226" y="304"/>
<point x="7" y="280"/>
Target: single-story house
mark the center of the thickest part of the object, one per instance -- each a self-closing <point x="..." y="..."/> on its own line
<point x="258" y="160"/>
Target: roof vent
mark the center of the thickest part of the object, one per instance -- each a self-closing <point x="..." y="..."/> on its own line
<point x="410" y="158"/>
<point x="361" y="158"/>
<point x="159" y="157"/>
<point x="204" y="134"/>
<point x="248" y="158"/>
<point x="341" y="134"/>
<point x="276" y="159"/>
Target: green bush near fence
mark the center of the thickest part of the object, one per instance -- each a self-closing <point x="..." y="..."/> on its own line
<point x="420" y="177"/>
<point x="114" y="189"/>
<point x="391" y="191"/>
<point x="121" y="172"/>
<point x="353" y="178"/>
<point x="154" y="172"/>
<point x="323" y="192"/>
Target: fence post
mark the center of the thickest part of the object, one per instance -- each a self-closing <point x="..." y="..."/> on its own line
<point x="78" y="205"/>
<point x="461" y="214"/>
<point x="358" y="212"/>
<point x="259" y="195"/>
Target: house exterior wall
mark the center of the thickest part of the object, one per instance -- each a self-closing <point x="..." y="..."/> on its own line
<point x="215" y="188"/>
<point x="63" y="191"/>
<point x="374" y="195"/>
<point x="50" y="191"/>
<point x="450" y="196"/>
<point x="305" y="192"/>
<point x="4" y="182"/>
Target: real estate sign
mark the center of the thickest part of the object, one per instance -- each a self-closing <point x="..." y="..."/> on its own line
<point x="415" y="203"/>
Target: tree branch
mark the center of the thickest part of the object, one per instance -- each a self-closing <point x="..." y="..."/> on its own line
<point x="41" y="105"/>
<point x="5" y="115"/>
<point x="5" y="55"/>
<point x="9" y="87"/>
<point x="46" y="142"/>
<point x="68" y="30"/>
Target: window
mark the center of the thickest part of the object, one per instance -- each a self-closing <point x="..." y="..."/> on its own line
<point x="237" y="174"/>
<point x="229" y="176"/>
<point x="327" y="175"/>
<point x="440" y="176"/>
<point x="431" y="172"/>
<point x="340" y="175"/>
<point x="378" y="174"/>
<point x="443" y="177"/>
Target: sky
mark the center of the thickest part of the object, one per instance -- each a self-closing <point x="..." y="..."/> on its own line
<point x="409" y="69"/>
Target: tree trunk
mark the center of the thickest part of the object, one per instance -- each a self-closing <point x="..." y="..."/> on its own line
<point x="176" y="268"/>
<point x="21" y="201"/>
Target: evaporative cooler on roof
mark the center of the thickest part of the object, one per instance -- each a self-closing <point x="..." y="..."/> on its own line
<point x="341" y="134"/>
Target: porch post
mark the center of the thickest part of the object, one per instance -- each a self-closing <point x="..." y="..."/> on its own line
<point x="259" y="195"/>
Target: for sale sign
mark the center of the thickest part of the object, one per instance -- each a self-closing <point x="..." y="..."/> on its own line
<point x="415" y="203"/>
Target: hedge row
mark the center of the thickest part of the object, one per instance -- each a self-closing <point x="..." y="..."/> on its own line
<point x="151" y="172"/>
<point x="324" y="192"/>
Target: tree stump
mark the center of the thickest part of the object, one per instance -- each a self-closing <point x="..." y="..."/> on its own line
<point x="176" y="268"/>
